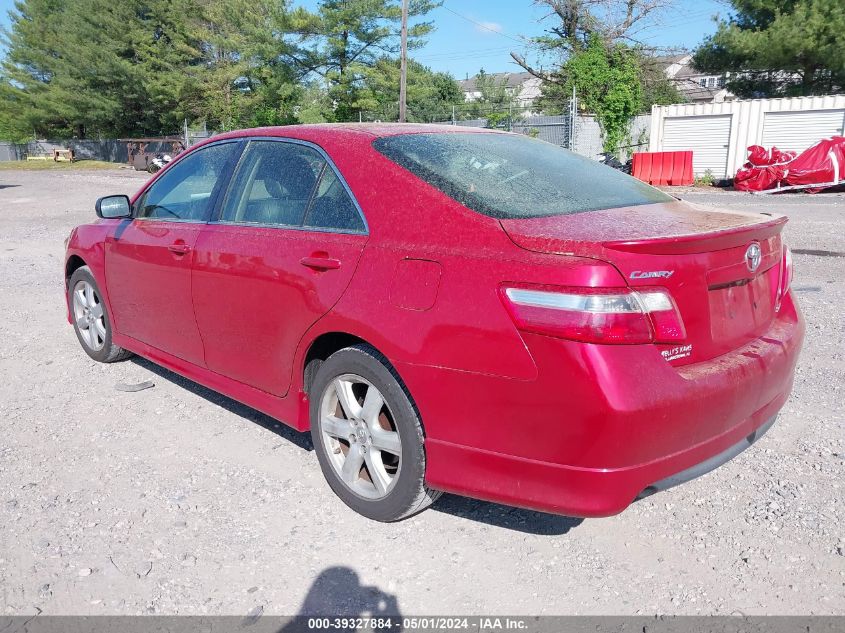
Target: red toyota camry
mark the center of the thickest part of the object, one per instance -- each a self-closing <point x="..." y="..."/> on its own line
<point x="449" y="309"/>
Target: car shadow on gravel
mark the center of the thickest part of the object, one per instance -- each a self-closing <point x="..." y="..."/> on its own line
<point x="302" y="440"/>
<point x="517" y="519"/>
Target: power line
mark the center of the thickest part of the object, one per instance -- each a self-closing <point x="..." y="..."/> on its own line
<point x="483" y="26"/>
<point x="481" y="57"/>
<point x="464" y="53"/>
<point x="673" y="23"/>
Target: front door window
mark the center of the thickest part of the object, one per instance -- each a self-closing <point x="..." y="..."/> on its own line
<point x="186" y="190"/>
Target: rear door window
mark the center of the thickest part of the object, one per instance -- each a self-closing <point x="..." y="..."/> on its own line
<point x="333" y="208"/>
<point x="274" y="184"/>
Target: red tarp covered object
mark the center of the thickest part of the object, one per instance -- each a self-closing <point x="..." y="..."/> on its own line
<point x="822" y="164"/>
<point x="764" y="168"/>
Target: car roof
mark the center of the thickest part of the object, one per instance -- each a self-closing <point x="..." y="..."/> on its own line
<point x="319" y="131"/>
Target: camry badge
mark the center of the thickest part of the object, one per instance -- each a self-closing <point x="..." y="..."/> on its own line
<point x="753" y="256"/>
<point x="651" y="274"/>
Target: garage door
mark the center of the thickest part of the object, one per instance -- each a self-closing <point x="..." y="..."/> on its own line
<point x="707" y="136"/>
<point x="798" y="130"/>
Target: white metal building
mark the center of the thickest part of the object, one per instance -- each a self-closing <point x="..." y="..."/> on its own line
<point x="719" y="133"/>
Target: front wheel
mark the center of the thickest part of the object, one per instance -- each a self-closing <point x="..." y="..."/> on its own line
<point x="91" y="319"/>
<point x="368" y="436"/>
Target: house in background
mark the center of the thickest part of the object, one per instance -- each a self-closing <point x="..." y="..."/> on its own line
<point x="696" y="86"/>
<point x="523" y="87"/>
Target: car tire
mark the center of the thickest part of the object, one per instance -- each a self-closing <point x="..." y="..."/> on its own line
<point x="90" y="318"/>
<point x="348" y="424"/>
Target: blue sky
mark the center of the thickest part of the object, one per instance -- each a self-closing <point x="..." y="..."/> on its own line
<point x="473" y="34"/>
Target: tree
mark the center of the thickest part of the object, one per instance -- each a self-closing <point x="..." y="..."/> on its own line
<point x="493" y="102"/>
<point x="95" y="67"/>
<point x="314" y="105"/>
<point x="595" y="46"/>
<point x="41" y="71"/>
<point x="430" y="97"/>
<point x="140" y="67"/>
<point x="657" y="88"/>
<point x="606" y="82"/>
<point x="577" y="22"/>
<point x="349" y="36"/>
<point x="777" y="48"/>
<point x="163" y="50"/>
<point x="13" y="126"/>
<point x="249" y="75"/>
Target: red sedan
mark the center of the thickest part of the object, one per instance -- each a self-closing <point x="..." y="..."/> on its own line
<point x="449" y="309"/>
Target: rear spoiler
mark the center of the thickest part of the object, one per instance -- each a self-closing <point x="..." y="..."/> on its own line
<point x="702" y="242"/>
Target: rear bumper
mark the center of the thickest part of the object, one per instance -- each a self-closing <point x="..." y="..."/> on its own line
<point x="602" y="424"/>
<point x="579" y="492"/>
<point x="708" y="465"/>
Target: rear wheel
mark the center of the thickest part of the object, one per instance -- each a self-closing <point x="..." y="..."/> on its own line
<point x="368" y="436"/>
<point x="90" y="318"/>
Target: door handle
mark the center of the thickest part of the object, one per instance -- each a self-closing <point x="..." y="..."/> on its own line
<point x="320" y="262"/>
<point x="179" y="248"/>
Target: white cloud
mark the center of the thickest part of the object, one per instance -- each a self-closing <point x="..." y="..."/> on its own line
<point x="487" y="27"/>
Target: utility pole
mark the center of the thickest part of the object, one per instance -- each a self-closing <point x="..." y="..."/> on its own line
<point x="403" y="68"/>
<point x="573" y="112"/>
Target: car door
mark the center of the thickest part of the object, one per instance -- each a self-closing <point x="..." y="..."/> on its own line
<point x="148" y="259"/>
<point x="282" y="252"/>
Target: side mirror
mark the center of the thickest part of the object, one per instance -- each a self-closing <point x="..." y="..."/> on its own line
<point x="111" y="207"/>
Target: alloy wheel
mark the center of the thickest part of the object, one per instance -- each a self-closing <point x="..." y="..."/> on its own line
<point x="360" y="436"/>
<point x="89" y="316"/>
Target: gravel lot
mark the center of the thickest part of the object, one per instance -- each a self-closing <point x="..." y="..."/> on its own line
<point x="176" y="500"/>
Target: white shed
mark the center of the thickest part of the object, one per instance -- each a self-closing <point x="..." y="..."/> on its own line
<point x="719" y="133"/>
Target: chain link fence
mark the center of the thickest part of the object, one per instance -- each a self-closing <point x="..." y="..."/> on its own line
<point x="577" y="132"/>
<point x="109" y="150"/>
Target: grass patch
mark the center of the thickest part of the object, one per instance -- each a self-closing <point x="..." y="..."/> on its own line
<point x="705" y="180"/>
<point x="50" y="165"/>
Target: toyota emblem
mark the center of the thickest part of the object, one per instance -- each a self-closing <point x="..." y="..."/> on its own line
<point x="753" y="256"/>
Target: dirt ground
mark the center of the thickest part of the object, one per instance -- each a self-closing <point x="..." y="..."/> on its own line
<point x="176" y="500"/>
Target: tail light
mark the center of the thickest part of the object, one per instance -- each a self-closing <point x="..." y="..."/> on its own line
<point x="596" y="315"/>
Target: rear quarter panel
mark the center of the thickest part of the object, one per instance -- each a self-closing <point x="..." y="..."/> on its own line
<point x="462" y="326"/>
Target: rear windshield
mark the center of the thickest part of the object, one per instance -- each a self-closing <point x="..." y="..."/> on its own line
<point x="510" y="176"/>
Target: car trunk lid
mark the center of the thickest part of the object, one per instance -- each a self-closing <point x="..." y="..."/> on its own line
<point x="699" y="254"/>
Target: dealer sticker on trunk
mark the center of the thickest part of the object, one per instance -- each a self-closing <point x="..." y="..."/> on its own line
<point x="674" y="353"/>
